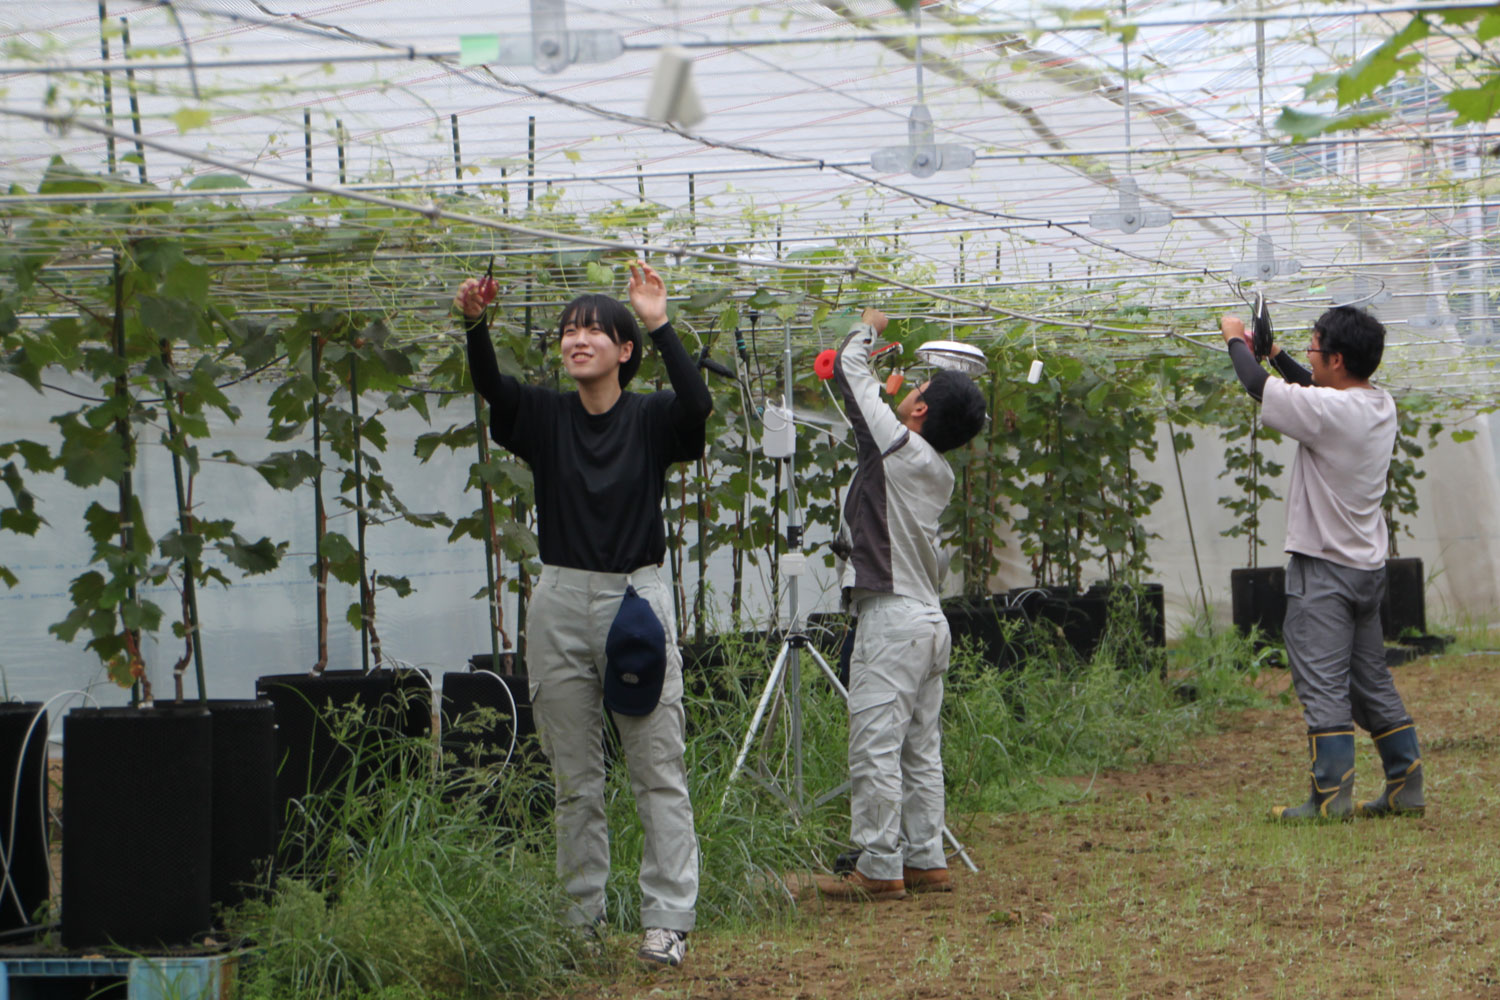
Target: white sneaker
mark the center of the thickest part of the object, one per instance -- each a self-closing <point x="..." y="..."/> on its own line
<point x="663" y="947"/>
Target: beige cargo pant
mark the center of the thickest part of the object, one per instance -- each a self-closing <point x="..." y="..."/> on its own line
<point x="568" y="621"/>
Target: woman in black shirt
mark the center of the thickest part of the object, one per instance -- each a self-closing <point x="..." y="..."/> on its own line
<point x="599" y="457"/>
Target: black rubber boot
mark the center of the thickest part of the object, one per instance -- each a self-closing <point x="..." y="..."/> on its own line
<point x="1403" y="774"/>
<point x="1332" y="795"/>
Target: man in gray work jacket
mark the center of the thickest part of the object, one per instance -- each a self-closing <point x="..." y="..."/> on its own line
<point x="1345" y="429"/>
<point x="901" y="646"/>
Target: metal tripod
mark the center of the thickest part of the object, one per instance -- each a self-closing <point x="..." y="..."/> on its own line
<point x="787" y="670"/>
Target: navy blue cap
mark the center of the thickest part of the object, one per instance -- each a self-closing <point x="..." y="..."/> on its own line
<point x="635" y="657"/>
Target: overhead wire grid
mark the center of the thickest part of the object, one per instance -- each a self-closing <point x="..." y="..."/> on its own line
<point x="782" y="163"/>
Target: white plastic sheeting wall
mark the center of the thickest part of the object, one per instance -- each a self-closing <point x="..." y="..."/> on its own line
<point x="267" y="624"/>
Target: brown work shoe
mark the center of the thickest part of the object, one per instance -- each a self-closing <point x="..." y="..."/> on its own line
<point x="856" y="888"/>
<point x="927" y="879"/>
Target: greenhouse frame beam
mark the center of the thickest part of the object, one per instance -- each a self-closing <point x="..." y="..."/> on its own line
<point x="1083" y="282"/>
<point x="1120" y="336"/>
<point x="432" y="210"/>
<point x="435" y="213"/>
<point x="404" y="53"/>
<point x="1020" y="223"/>
<point x="1480" y="138"/>
<point x="1045" y="223"/>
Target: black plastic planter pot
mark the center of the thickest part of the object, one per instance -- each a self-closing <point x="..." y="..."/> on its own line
<point x="1150" y="607"/>
<point x="471" y="748"/>
<point x="528" y="749"/>
<point x="340" y="731"/>
<point x="714" y="668"/>
<point x="23" y="812"/>
<point x="1081" y="621"/>
<point x="137" y="828"/>
<point x="997" y="630"/>
<point x="244" y="797"/>
<point x="511" y="664"/>
<point x="1403" y="611"/>
<point x="1029" y="599"/>
<point x="1259" y="599"/>
<point x="513" y="735"/>
<point x="832" y="632"/>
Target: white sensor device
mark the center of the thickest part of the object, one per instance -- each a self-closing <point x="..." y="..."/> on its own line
<point x="674" y="98"/>
<point x="954" y="356"/>
<point x="1035" y="375"/>
<point x="779" y="437"/>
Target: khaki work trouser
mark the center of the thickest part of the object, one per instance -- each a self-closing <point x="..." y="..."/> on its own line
<point x="901" y="649"/>
<point x="569" y="618"/>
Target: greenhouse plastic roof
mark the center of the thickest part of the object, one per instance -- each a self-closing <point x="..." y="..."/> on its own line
<point x="1067" y="117"/>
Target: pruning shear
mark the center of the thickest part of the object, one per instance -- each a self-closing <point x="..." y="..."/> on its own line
<point x="487" y="284"/>
<point x="1262" y="333"/>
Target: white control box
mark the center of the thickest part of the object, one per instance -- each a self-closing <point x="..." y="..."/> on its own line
<point x="779" y="436"/>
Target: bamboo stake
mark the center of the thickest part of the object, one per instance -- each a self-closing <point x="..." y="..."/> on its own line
<point x="701" y="596"/>
<point x="184" y="528"/>
<point x="1187" y="509"/>
<point x="126" y="493"/>
<point x="320" y="514"/>
<point x="109" y="95"/>
<point x="458" y="168"/>
<point x="135" y="103"/>
<point x="486" y="495"/>
<point x="360" y="519"/>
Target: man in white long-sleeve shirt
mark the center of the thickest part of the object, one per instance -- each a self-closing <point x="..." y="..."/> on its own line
<point x="890" y="582"/>
<point x="1345" y="429"/>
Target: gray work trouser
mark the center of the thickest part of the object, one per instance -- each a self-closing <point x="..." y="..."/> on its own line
<point x="901" y="649"/>
<point x="569" y="618"/>
<point x="1335" y="647"/>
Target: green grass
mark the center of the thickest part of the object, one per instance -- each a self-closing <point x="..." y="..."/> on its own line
<point x="417" y="892"/>
<point x="422" y="893"/>
<point x="1470" y="635"/>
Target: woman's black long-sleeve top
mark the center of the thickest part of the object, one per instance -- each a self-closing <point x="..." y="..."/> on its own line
<point x="598" y="478"/>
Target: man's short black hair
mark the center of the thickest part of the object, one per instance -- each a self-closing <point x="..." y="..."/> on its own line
<point x="1354" y="334"/>
<point x="955" y="410"/>
<point x="614" y="318"/>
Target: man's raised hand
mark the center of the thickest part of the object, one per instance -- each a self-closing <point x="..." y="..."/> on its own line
<point x="1233" y="328"/>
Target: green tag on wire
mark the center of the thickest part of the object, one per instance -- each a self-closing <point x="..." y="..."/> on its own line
<point x="476" y="49"/>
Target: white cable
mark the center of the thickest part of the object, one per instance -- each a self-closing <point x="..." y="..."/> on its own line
<point x="515" y="712"/>
<point x="514" y="723"/>
<point x="15" y="797"/>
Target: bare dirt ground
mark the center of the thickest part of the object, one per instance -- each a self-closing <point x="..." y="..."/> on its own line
<point x="1171" y="881"/>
